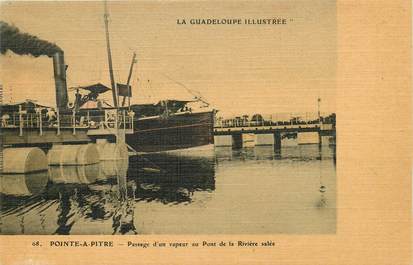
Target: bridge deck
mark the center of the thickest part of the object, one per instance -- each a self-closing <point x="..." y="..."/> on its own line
<point x="324" y="129"/>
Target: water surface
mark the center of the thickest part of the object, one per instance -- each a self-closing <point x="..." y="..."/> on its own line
<point x="221" y="191"/>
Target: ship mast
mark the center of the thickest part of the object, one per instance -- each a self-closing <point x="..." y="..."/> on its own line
<point x="128" y="82"/>
<point x="112" y="78"/>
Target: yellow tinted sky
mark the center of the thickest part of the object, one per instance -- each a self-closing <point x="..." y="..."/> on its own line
<point x="237" y="68"/>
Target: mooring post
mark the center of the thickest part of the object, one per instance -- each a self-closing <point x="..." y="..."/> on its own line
<point x="237" y="140"/>
<point x="277" y="141"/>
<point x="319" y="138"/>
<point x="319" y="144"/>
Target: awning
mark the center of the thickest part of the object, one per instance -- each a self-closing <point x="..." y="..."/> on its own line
<point x="96" y="88"/>
<point x="25" y="105"/>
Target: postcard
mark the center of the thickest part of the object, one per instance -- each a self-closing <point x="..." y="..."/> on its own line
<point x="206" y="132"/>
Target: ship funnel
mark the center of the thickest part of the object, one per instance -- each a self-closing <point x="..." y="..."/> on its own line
<point x="60" y="80"/>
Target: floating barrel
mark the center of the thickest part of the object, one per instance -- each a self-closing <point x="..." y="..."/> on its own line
<point x="24" y="160"/>
<point x="23" y="184"/>
<point x="66" y="155"/>
<point x="89" y="173"/>
<point x="110" y="169"/>
<point x="112" y="151"/>
<point x="59" y="175"/>
<point x="74" y="174"/>
<point x="113" y="168"/>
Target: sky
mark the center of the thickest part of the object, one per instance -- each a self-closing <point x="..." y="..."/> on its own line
<point x="236" y="68"/>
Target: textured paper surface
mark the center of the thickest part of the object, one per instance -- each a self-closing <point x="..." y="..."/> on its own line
<point x="373" y="106"/>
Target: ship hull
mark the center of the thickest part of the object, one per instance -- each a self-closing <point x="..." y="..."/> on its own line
<point x="179" y="131"/>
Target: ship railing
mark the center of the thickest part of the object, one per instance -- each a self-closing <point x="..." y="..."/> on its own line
<point x="113" y="119"/>
<point x="73" y="120"/>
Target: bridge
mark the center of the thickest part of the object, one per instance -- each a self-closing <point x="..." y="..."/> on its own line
<point x="231" y="132"/>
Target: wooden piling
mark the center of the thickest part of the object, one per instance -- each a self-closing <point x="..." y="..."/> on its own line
<point x="277" y="140"/>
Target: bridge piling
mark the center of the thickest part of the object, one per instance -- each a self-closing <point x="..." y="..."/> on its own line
<point x="319" y="139"/>
<point x="237" y="141"/>
<point x="277" y="141"/>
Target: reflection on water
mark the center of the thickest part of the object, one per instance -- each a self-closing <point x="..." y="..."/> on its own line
<point x="23" y="184"/>
<point x="177" y="180"/>
<point x="250" y="190"/>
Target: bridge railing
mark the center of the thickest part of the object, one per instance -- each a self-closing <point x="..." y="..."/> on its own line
<point x="42" y="120"/>
<point x="279" y="119"/>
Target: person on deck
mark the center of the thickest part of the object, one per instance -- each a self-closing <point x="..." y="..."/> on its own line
<point x="5" y="120"/>
<point x="51" y="116"/>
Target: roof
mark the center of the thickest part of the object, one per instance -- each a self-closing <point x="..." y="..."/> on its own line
<point x="26" y="105"/>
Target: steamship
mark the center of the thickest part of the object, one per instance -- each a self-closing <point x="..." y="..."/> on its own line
<point x="170" y="125"/>
<point x="167" y="125"/>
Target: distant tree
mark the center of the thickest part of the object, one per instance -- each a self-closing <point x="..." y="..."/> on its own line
<point x="257" y="117"/>
<point x="330" y="119"/>
<point x="245" y="119"/>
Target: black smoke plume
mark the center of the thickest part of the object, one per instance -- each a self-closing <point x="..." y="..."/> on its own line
<point x="23" y="43"/>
